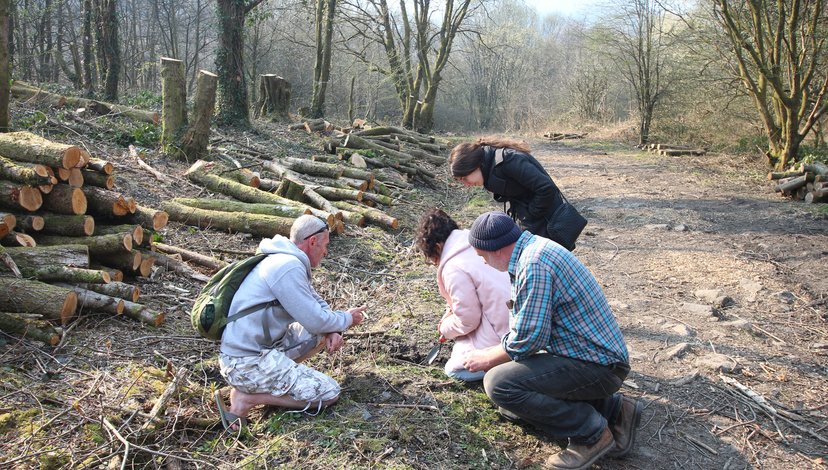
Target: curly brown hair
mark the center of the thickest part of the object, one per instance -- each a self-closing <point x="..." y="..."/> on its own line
<point x="432" y="232"/>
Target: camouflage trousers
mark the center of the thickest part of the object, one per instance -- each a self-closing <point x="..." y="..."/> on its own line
<point x="274" y="371"/>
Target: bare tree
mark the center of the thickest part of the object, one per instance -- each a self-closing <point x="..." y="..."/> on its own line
<point x="637" y="42"/>
<point x="4" y="65"/>
<point x="107" y="46"/>
<point x="778" y="47"/>
<point x="417" y="49"/>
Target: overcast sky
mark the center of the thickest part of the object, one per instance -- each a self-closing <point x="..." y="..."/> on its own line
<point x="575" y="8"/>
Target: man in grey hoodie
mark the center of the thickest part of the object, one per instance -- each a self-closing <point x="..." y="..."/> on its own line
<point x="261" y="352"/>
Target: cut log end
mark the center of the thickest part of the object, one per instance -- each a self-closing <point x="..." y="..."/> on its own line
<point x="71" y="157"/>
<point x="70" y="305"/>
<point x="30" y="198"/>
<point x="159" y="220"/>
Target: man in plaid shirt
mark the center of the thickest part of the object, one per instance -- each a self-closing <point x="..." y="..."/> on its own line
<point x="564" y="358"/>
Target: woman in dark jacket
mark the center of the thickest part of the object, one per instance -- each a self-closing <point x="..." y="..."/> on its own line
<point x="506" y="169"/>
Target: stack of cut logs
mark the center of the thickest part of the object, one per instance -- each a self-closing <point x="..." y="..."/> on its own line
<point x="554" y="136"/>
<point x="393" y="150"/>
<point x="669" y="150"/>
<point x="66" y="238"/>
<point x="807" y="182"/>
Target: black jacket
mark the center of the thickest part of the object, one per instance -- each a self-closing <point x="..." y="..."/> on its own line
<point x="520" y="180"/>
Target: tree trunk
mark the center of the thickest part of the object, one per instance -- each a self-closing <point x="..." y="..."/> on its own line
<point x="232" y="86"/>
<point x="372" y="216"/>
<point x="68" y="225"/>
<point x="197" y="136"/>
<point x="16" y="197"/>
<point x="86" y="33"/>
<point x="95" y="301"/>
<point x="5" y="69"/>
<point x="67" y="255"/>
<point x="136" y="231"/>
<point x="111" y="48"/>
<point x="187" y="255"/>
<point x="149" y="218"/>
<point x="28" y="328"/>
<point x="30" y="175"/>
<point x="27" y="147"/>
<point x="174" y="103"/>
<point x="99" y="245"/>
<point x="64" y="199"/>
<point x="105" y="203"/>
<point x="274" y="98"/>
<point x="117" y="289"/>
<point x="255" y="224"/>
<point x="31" y="223"/>
<point x="326" y="10"/>
<point x="224" y="205"/>
<point x="29" y="296"/>
<point x="142" y="314"/>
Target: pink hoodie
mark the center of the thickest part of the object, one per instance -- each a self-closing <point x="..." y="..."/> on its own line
<point x="476" y="315"/>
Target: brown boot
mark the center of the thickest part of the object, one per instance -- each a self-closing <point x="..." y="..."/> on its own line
<point x="581" y="457"/>
<point x="625" y="427"/>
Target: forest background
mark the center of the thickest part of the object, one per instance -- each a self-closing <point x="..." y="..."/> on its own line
<point x="743" y="77"/>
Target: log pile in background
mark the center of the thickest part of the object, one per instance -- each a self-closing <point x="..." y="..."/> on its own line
<point x="64" y="231"/>
<point x="406" y="152"/>
<point x="555" y="136"/>
<point x="670" y="150"/>
<point x="807" y="182"/>
<point x="24" y="91"/>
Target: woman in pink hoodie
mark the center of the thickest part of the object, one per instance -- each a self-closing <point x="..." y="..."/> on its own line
<point x="476" y="294"/>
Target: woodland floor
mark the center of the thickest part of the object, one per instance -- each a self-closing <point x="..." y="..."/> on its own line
<point x="660" y="229"/>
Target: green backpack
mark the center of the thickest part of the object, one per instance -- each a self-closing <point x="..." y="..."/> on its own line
<point x="210" y="310"/>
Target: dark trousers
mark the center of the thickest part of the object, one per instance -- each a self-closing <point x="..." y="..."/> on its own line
<point x="562" y="397"/>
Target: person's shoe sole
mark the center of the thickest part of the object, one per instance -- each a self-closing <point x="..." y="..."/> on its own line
<point x="589" y="464"/>
<point x="617" y="454"/>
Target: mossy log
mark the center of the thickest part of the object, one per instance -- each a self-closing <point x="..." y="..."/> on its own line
<point x="65" y="199"/>
<point x="68" y="225"/>
<point x="118" y="289"/>
<point x="135" y="230"/>
<point x="426" y="156"/>
<point x="55" y="273"/>
<point x="243" y="176"/>
<point x="198" y="174"/>
<point x="65" y="255"/>
<point x="226" y="205"/>
<point x="149" y="218"/>
<point x="29" y="223"/>
<point x="36" y="95"/>
<point x="372" y="216"/>
<point x="106" y="203"/>
<point x="143" y="314"/>
<point x="72" y="176"/>
<point x="128" y="262"/>
<point x="388" y="130"/>
<point x="174" y="264"/>
<point x="27" y="147"/>
<point x="337" y="194"/>
<point x="15" y="196"/>
<point x="95" y="301"/>
<point x="101" y="180"/>
<point x="100" y="166"/>
<point x="13" y="239"/>
<point x="105" y="108"/>
<point x="115" y="274"/>
<point x="255" y="224"/>
<point x="7" y="223"/>
<point x="39" y="330"/>
<point x="378" y="198"/>
<point x="98" y="244"/>
<point x="356" y="142"/>
<point x="353" y="218"/>
<point x="293" y="188"/>
<point x="25" y="174"/>
<point x="310" y="167"/>
<point x="188" y="255"/>
<point x="26" y="295"/>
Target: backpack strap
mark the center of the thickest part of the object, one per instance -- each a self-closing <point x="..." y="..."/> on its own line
<point x="252" y="309"/>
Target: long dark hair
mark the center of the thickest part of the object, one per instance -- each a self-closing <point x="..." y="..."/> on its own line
<point x="432" y="232"/>
<point x="468" y="156"/>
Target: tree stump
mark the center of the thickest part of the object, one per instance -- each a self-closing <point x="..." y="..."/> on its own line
<point x="174" y="107"/>
<point x="197" y="136"/>
<point x="274" y="97"/>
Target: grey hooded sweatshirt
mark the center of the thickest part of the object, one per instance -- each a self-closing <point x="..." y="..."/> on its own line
<point x="285" y="276"/>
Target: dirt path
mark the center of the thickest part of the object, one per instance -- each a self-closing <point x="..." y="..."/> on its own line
<point x="663" y="229"/>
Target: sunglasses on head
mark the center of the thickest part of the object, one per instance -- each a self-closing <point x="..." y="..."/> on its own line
<point x="324" y="228"/>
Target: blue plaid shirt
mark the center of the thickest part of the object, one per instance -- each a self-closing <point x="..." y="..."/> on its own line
<point x="559" y="307"/>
